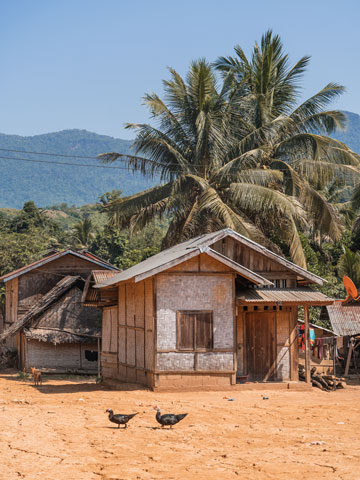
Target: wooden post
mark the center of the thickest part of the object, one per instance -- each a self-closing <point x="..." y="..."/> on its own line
<point x="351" y="348"/>
<point x="307" y="345"/>
<point x="334" y="353"/>
<point x="99" y="358"/>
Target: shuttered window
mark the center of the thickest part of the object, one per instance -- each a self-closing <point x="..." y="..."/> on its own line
<point x="195" y="330"/>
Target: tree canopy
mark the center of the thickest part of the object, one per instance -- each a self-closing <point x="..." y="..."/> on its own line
<point x="238" y="151"/>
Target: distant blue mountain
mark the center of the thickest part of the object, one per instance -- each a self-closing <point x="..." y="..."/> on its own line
<point x="351" y="136"/>
<point x="47" y="184"/>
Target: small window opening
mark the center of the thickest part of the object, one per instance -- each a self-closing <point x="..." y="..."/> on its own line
<point x="91" y="355"/>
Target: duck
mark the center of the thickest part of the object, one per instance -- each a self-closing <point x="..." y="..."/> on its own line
<point x="119" y="418"/>
<point x="168" y="418"/>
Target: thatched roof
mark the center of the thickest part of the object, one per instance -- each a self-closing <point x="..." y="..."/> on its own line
<point x="56" y="336"/>
<point x="67" y="321"/>
<point x="63" y="286"/>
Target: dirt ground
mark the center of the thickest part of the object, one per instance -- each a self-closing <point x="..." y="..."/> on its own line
<point x="60" y="431"/>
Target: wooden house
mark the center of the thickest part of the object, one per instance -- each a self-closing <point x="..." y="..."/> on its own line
<point x="206" y="313"/>
<point x="45" y="319"/>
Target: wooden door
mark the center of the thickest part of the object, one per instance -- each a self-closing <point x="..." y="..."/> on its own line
<point x="260" y="344"/>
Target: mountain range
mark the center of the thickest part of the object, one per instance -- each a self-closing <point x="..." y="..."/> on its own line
<point x="49" y="184"/>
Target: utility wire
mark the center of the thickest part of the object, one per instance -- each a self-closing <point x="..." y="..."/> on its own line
<point x="63" y="163"/>
<point x="85" y="157"/>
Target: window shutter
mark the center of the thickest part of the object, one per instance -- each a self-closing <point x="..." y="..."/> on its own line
<point x="204" y="330"/>
<point x="186" y="331"/>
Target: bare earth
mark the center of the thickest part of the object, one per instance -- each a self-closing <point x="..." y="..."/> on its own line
<point x="60" y="431"/>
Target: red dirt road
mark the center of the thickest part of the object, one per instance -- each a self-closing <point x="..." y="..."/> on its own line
<point x="60" y="431"/>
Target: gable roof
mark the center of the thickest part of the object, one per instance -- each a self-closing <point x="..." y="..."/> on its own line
<point x="90" y="257"/>
<point x="202" y="244"/>
<point x="42" y="305"/>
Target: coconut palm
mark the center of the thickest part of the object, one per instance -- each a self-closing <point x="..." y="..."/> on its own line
<point x="349" y="264"/>
<point x="221" y="167"/>
<point x="83" y="232"/>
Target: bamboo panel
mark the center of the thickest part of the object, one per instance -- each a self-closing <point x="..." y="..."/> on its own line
<point x="122" y="345"/>
<point x="130" y="304"/>
<point x="149" y="325"/>
<point x="130" y="347"/>
<point x="114" y="330"/>
<point x="106" y="330"/>
<point x="121" y="305"/>
<point x="139" y="304"/>
<point x="140" y="354"/>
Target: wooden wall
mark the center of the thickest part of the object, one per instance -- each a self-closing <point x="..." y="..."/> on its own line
<point x="128" y="335"/>
<point x="255" y="261"/>
<point x="11" y="310"/>
<point x="285" y="365"/>
<point x="60" y="358"/>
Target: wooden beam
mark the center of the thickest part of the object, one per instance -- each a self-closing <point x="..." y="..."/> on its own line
<point x="307" y="345"/>
<point x="351" y="348"/>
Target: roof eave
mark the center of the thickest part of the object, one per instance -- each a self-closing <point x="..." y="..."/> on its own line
<point x="51" y="258"/>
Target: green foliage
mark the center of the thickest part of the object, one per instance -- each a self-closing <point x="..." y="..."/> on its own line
<point x="123" y="250"/>
<point x="349" y="265"/>
<point x="240" y="153"/>
<point x="84" y="233"/>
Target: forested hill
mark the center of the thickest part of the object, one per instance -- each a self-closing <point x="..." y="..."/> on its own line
<point x="47" y="184"/>
<point x="351" y="136"/>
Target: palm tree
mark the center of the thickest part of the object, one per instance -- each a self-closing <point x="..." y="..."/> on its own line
<point x="226" y="164"/>
<point x="83" y="232"/>
<point x="349" y="264"/>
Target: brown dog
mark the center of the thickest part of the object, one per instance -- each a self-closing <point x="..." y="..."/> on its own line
<point x="37" y="376"/>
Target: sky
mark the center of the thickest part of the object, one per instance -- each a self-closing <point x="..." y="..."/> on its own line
<point x="87" y="64"/>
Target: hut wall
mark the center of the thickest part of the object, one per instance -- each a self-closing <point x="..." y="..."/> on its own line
<point x="11" y="310"/>
<point x="203" y="290"/>
<point x="128" y="335"/>
<point x="61" y="358"/>
<point x="285" y="335"/>
<point x="255" y="261"/>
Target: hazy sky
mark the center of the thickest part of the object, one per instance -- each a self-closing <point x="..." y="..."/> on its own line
<point x="86" y="64"/>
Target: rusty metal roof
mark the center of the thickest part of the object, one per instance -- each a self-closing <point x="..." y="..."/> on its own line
<point x="282" y="296"/>
<point x="344" y="319"/>
<point x="43" y="261"/>
<point x="102" y="275"/>
<point x="179" y="253"/>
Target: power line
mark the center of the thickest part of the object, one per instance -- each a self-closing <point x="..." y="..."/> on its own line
<point x="88" y="157"/>
<point x="63" y="163"/>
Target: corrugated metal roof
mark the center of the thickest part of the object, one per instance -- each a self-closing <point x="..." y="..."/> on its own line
<point x="313" y="325"/>
<point x="295" y="296"/>
<point x="344" y="319"/>
<point x="102" y="275"/>
<point x="43" y="261"/>
<point x="183" y="251"/>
